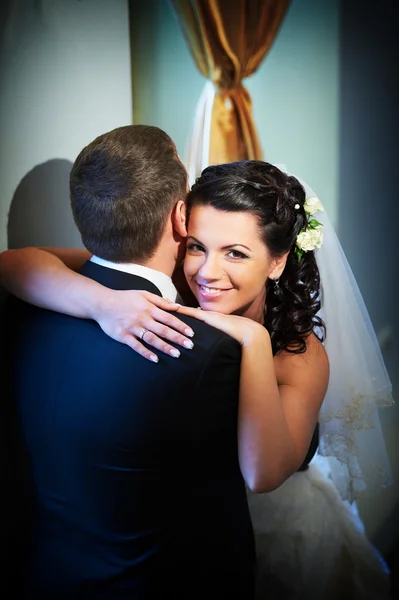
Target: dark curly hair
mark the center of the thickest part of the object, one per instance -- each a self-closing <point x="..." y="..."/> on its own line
<point x="263" y="190"/>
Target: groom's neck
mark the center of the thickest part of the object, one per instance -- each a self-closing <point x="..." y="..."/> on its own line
<point x="169" y="252"/>
<point x="164" y="260"/>
<point x="158" y="265"/>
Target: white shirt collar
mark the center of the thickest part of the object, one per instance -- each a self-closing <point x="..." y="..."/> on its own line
<point x="162" y="281"/>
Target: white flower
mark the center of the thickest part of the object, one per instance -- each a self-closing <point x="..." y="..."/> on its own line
<point x="312" y="205"/>
<point x="310" y="238"/>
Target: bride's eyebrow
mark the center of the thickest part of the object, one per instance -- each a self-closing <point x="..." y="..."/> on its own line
<point x="194" y="239"/>
<point x="229" y="246"/>
<point x="235" y="245"/>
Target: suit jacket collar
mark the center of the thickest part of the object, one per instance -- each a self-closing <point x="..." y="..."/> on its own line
<point x="117" y="280"/>
<point x="162" y="281"/>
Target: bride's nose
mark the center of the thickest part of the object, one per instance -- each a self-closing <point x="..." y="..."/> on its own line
<point x="211" y="269"/>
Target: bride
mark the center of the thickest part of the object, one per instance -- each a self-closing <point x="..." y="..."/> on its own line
<point x="256" y="252"/>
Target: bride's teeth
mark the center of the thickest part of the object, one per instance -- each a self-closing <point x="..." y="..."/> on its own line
<point x="210" y="290"/>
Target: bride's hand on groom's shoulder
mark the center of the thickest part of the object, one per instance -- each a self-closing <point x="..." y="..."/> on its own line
<point x="244" y="330"/>
<point x="134" y="316"/>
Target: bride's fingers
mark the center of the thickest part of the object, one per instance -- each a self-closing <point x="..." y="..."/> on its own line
<point x="136" y="339"/>
<point x="161" y="302"/>
<point x="197" y="313"/>
<point x="138" y="347"/>
<point x="207" y="316"/>
<point x="168" y="335"/>
<point x="210" y="317"/>
<point x="172" y="323"/>
<point x="151" y="339"/>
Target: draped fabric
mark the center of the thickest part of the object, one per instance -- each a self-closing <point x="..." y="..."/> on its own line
<point x="228" y="40"/>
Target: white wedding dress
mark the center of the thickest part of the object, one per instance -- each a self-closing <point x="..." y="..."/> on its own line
<point x="311" y="543"/>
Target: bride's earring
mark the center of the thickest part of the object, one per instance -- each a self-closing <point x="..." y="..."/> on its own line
<point x="276" y="282"/>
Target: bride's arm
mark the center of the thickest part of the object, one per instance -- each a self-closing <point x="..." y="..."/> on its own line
<point x="280" y="399"/>
<point x="44" y="277"/>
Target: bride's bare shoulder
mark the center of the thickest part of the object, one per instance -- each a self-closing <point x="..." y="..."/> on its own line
<point x="313" y="360"/>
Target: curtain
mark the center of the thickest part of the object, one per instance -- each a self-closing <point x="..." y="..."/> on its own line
<point x="228" y="40"/>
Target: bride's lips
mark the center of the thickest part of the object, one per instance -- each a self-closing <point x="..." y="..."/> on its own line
<point x="209" y="292"/>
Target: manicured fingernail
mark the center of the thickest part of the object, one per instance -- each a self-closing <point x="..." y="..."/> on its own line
<point x="175" y="353"/>
<point x="154" y="358"/>
<point x="189" y="332"/>
<point x="188" y="344"/>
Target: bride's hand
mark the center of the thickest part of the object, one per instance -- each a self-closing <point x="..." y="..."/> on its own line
<point x="240" y="328"/>
<point x="135" y="316"/>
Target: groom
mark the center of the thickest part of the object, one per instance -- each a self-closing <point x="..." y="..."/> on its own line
<point x="135" y="468"/>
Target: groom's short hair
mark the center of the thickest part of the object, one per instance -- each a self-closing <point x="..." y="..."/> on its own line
<point x="123" y="188"/>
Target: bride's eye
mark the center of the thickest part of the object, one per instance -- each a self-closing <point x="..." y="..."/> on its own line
<point x="236" y="254"/>
<point x="195" y="248"/>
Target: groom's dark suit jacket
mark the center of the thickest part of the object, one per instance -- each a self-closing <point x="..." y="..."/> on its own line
<point x="137" y="487"/>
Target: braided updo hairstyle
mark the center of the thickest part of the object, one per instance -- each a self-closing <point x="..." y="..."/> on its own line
<point x="270" y="195"/>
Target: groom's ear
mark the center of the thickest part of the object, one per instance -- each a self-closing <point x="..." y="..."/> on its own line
<point x="179" y="219"/>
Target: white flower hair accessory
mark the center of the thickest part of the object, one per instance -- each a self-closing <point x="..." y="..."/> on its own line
<point x="312" y="206"/>
<point x="311" y="236"/>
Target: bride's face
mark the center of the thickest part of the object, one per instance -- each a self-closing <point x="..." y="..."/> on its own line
<point x="227" y="263"/>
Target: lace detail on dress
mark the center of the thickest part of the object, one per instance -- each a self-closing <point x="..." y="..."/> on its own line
<point x="351" y="436"/>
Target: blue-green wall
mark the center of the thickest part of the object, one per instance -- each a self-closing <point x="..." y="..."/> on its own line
<point x="294" y="92"/>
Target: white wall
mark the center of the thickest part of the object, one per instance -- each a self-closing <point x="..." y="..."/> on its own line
<point x="64" y="79"/>
<point x="166" y="82"/>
